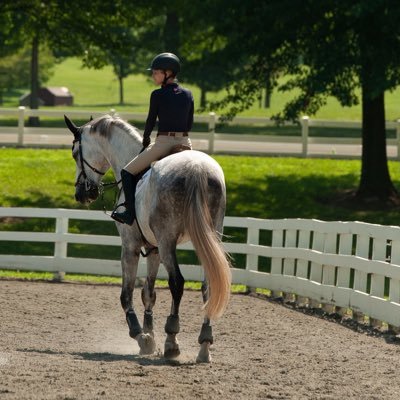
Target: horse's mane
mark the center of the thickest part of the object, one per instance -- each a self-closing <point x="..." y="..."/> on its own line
<point x="104" y="124"/>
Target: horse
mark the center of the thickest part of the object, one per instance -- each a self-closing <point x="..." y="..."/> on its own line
<point x="183" y="198"/>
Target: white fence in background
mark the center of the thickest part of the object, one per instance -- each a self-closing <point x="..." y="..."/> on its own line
<point x="17" y="135"/>
<point x="339" y="265"/>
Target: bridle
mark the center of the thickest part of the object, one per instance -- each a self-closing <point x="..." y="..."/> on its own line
<point x="87" y="182"/>
<point x="78" y="139"/>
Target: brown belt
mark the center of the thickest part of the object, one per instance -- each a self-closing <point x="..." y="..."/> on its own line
<point x="173" y="134"/>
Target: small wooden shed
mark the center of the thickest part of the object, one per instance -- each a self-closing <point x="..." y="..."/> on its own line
<point x="50" y="96"/>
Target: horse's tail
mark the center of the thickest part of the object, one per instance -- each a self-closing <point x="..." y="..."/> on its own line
<point x="207" y="243"/>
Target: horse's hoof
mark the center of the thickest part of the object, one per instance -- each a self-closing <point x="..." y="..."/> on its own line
<point x="203" y="359"/>
<point x="204" y="353"/>
<point x="172" y="353"/>
<point x="146" y="351"/>
<point x="171" y="347"/>
<point x="147" y="344"/>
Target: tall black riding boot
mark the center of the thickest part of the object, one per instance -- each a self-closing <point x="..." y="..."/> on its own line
<point x="129" y="182"/>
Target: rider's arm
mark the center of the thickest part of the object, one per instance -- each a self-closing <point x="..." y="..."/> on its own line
<point x="152" y="115"/>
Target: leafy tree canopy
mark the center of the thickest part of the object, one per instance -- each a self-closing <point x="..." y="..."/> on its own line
<point x="327" y="48"/>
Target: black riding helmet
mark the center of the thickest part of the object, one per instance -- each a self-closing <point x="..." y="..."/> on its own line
<point x="166" y="61"/>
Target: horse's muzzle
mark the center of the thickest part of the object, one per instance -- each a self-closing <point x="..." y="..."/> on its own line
<point x="86" y="192"/>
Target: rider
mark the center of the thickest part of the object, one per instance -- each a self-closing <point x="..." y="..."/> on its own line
<point x="173" y="106"/>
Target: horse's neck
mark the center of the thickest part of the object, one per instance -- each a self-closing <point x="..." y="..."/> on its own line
<point x="120" y="152"/>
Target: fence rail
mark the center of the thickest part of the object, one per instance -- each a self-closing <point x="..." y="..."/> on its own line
<point x="340" y="266"/>
<point x="18" y="135"/>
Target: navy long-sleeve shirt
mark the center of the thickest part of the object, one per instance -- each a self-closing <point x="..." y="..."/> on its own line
<point x="173" y="106"/>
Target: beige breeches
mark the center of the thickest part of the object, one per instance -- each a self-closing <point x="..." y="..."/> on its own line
<point x="160" y="148"/>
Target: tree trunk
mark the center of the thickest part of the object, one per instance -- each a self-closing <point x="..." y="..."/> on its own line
<point x="203" y="100"/>
<point x="375" y="182"/>
<point x="172" y="32"/>
<point x="121" y="75"/>
<point x="268" y="93"/>
<point x="34" y="98"/>
<point x="121" y="90"/>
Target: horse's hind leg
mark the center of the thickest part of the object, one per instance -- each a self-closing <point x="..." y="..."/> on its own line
<point x="176" y="284"/>
<point x="205" y="337"/>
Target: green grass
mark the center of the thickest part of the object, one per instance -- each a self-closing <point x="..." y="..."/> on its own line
<point x="98" y="90"/>
<point x="257" y="186"/>
<point x="98" y="280"/>
<point x="261" y="187"/>
<point x="273" y="187"/>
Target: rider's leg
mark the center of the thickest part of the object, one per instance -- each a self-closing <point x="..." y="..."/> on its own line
<point x="129" y="182"/>
<point x="129" y="177"/>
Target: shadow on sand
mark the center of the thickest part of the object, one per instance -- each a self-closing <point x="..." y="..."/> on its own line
<point x="155" y="359"/>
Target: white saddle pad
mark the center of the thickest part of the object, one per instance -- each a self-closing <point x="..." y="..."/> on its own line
<point x="143" y="182"/>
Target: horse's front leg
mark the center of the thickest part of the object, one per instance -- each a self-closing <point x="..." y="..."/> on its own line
<point x="129" y="262"/>
<point x="149" y="296"/>
<point x="176" y="284"/>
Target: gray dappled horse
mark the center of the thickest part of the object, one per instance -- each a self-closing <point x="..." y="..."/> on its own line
<point x="183" y="199"/>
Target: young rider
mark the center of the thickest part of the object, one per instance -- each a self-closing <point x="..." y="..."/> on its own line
<point x="173" y="106"/>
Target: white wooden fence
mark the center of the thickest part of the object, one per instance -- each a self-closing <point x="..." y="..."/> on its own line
<point x="18" y="135"/>
<point x="337" y="265"/>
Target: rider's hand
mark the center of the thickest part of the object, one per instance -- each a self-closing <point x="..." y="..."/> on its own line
<point x="146" y="141"/>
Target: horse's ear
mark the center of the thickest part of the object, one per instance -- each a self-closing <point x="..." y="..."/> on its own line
<point x="91" y="117"/>
<point x="71" y="126"/>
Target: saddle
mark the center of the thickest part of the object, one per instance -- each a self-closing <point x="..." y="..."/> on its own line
<point x="178" y="148"/>
<point x="175" y="149"/>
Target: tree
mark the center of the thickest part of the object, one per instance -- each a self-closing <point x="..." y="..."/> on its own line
<point x="32" y="23"/>
<point x="64" y="27"/>
<point x="188" y="33"/>
<point x="121" y="55"/>
<point x="328" y="48"/>
<point x="204" y="63"/>
<point x="15" y="73"/>
<point x="122" y="37"/>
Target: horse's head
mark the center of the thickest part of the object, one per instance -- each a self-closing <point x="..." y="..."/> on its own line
<point x="91" y="163"/>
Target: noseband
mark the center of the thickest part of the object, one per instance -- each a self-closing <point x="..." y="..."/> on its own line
<point x="78" y="139"/>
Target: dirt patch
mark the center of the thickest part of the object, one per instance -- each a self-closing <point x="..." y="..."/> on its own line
<point x="70" y="341"/>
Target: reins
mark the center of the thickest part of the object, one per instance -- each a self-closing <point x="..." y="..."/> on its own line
<point x="103" y="187"/>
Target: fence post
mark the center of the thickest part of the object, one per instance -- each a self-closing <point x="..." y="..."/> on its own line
<point x="253" y="237"/>
<point x="21" y="127"/>
<point x="211" y="132"/>
<point x="398" y="138"/>
<point x="60" y="246"/>
<point x="304" y="134"/>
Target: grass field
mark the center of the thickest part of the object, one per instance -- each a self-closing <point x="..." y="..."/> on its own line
<point x="98" y="90"/>
<point x="263" y="187"/>
<point x="256" y="186"/>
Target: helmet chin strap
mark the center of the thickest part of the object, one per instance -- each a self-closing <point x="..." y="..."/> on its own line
<point x="166" y="78"/>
